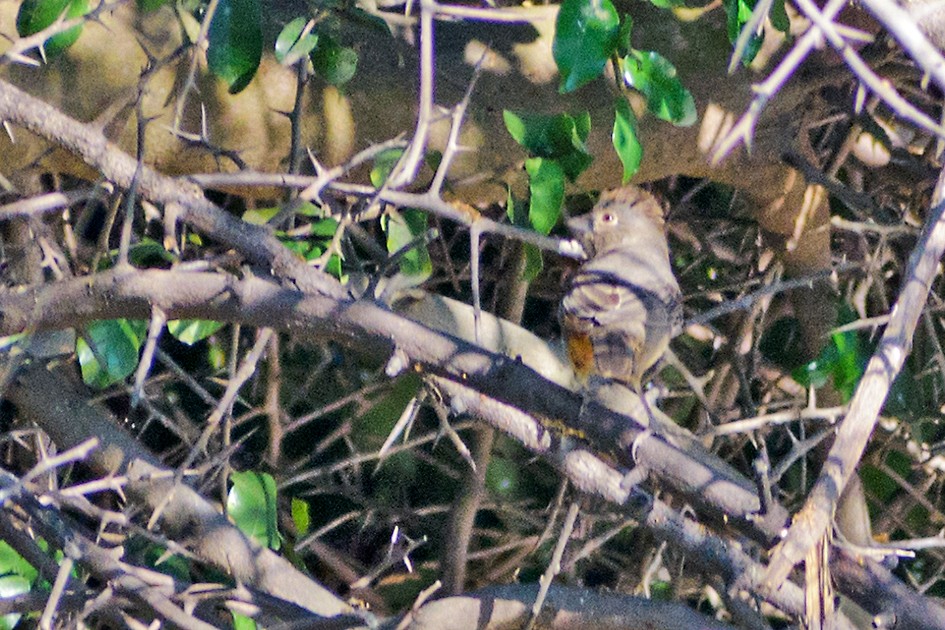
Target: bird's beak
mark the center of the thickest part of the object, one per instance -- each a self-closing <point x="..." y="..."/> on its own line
<point x="581" y="229"/>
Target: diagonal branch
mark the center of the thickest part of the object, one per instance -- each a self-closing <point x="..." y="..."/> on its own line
<point x="855" y="430"/>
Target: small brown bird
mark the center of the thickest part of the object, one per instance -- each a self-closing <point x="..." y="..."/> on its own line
<point x="624" y="304"/>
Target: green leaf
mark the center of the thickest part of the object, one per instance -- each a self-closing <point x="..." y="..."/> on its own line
<point x="35" y="15"/>
<point x="585" y="38"/>
<point x="113" y="353"/>
<point x="324" y="228"/>
<point x="779" y="17"/>
<point x="291" y="46"/>
<point x="235" y="42"/>
<point x="623" y="36"/>
<point x="260" y="216"/>
<point x="150" y="253"/>
<point x="655" y="77"/>
<point x="242" y="622"/>
<point x="333" y="267"/>
<point x="158" y="558"/>
<point x="374" y="424"/>
<point x="626" y="139"/>
<point x="560" y="136"/>
<point x="533" y="262"/>
<point x="190" y="331"/>
<point x="514" y="210"/>
<point x="737" y="13"/>
<point x="305" y="248"/>
<point x="546" y="184"/>
<point x="504" y="479"/>
<point x="404" y="227"/>
<point x="11" y="562"/>
<point x="150" y="5"/>
<point x="251" y="503"/>
<point x="11" y="586"/>
<point x="301" y="516"/>
<point x="334" y="63"/>
<point x="384" y="163"/>
<point x="843" y="359"/>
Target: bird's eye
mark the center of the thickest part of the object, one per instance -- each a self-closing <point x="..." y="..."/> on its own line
<point x="608" y="217"/>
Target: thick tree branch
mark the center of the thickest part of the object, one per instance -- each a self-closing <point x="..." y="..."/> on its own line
<point x="89" y="143"/>
<point x="369" y="327"/>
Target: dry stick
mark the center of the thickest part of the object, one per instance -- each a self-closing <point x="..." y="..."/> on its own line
<point x="212" y="537"/>
<point x="427" y="201"/>
<point x="223" y="409"/>
<point x="855" y="430"/>
<point x="196" y="52"/>
<point x="881" y="87"/>
<point x="17" y="52"/>
<point x="48" y="203"/>
<point x="744" y="128"/>
<point x="554" y="566"/>
<point x="370" y="326"/>
<point x="407" y="167"/>
<point x="907" y="32"/>
<point x="88" y="143"/>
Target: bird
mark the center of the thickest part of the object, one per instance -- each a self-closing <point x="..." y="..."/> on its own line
<point x="624" y="303"/>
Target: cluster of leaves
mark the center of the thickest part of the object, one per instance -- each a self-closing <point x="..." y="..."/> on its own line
<point x="234" y="37"/>
<point x="590" y="34"/>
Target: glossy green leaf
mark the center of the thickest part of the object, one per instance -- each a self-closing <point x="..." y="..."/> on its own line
<point x="334" y="267"/>
<point x="843" y="359"/>
<point x="235" y="42"/>
<point x="546" y="185"/>
<point x="405" y="227"/>
<point x="655" y="77"/>
<point x="252" y="505"/>
<point x="190" y="331"/>
<point x="585" y="39"/>
<point x="737" y="14"/>
<point x="626" y="138"/>
<point x="334" y="63"/>
<point x="291" y="45"/>
<point x="113" y="353"/>
<point x="35" y="15"/>
<point x="561" y="137"/>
